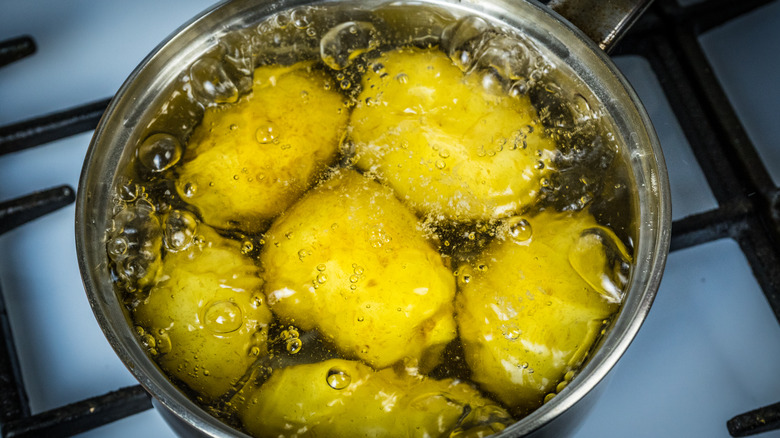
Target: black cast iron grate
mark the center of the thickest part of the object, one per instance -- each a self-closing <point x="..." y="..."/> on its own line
<point x="666" y="36"/>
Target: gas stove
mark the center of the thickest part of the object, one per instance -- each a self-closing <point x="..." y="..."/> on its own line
<point x="708" y="351"/>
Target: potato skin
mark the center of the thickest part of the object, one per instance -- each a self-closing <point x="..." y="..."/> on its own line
<point x="350" y="261"/>
<point x="527" y="317"/>
<point x="299" y="401"/>
<point x="207" y="314"/>
<point x="447" y="146"/>
<point x="247" y="162"/>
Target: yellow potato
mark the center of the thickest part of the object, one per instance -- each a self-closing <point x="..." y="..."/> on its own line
<point x="339" y="398"/>
<point x="205" y="321"/>
<point x="247" y="162"/>
<point x="350" y="261"/>
<point x="443" y="142"/>
<point x="528" y="311"/>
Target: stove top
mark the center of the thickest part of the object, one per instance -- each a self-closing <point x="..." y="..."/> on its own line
<point x="710" y="347"/>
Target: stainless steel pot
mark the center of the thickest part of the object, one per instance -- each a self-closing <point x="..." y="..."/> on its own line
<point x="118" y="132"/>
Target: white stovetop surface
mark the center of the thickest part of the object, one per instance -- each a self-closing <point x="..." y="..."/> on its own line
<point x="709" y="349"/>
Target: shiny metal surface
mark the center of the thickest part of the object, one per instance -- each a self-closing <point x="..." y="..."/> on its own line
<point x="111" y="149"/>
<point x="604" y="21"/>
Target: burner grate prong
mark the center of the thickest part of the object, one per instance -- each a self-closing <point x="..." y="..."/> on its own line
<point x="757" y="421"/>
<point x="22" y="210"/>
<point x="34" y="132"/>
<point x="14" y="403"/>
<point x="81" y="416"/>
<point x="16" y="49"/>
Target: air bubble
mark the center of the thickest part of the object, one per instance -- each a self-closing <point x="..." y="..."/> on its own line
<point x="212" y="83"/>
<point x="133" y="242"/>
<point x="294" y="345"/>
<point x="402" y="78"/>
<point x="289" y="335"/>
<point x="520" y="141"/>
<point x="463" y="39"/>
<point x="300" y="19"/>
<point x="265" y="133"/>
<point x="281" y="21"/>
<point x="519" y="229"/>
<point x="601" y="259"/>
<point x="346" y="41"/>
<point x="337" y="378"/>
<point x="117" y="248"/>
<point x="506" y="56"/>
<point x="190" y="189"/>
<point x="159" y="152"/>
<point x="440" y="164"/>
<point x="465" y="274"/>
<point x="223" y="317"/>
<point x="180" y="228"/>
<point x="148" y="341"/>
<point x="518" y="88"/>
<point x="379" y="238"/>
<point x="581" y="108"/>
<point x="511" y="333"/>
<point x="163" y="342"/>
<point x="247" y="247"/>
<point x="127" y="190"/>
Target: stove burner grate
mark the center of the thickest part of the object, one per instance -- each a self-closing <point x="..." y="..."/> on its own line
<point x="666" y="35"/>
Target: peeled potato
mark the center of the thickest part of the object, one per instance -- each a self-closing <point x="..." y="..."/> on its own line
<point x="206" y="319"/>
<point x="339" y="398"/>
<point x="530" y="309"/>
<point x="247" y="162"/>
<point x="443" y="142"/>
<point x="350" y="261"/>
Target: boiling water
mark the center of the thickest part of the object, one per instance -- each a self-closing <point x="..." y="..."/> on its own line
<point x="152" y="217"/>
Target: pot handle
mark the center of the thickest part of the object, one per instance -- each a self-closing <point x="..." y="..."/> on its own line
<point x="604" y="21"/>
